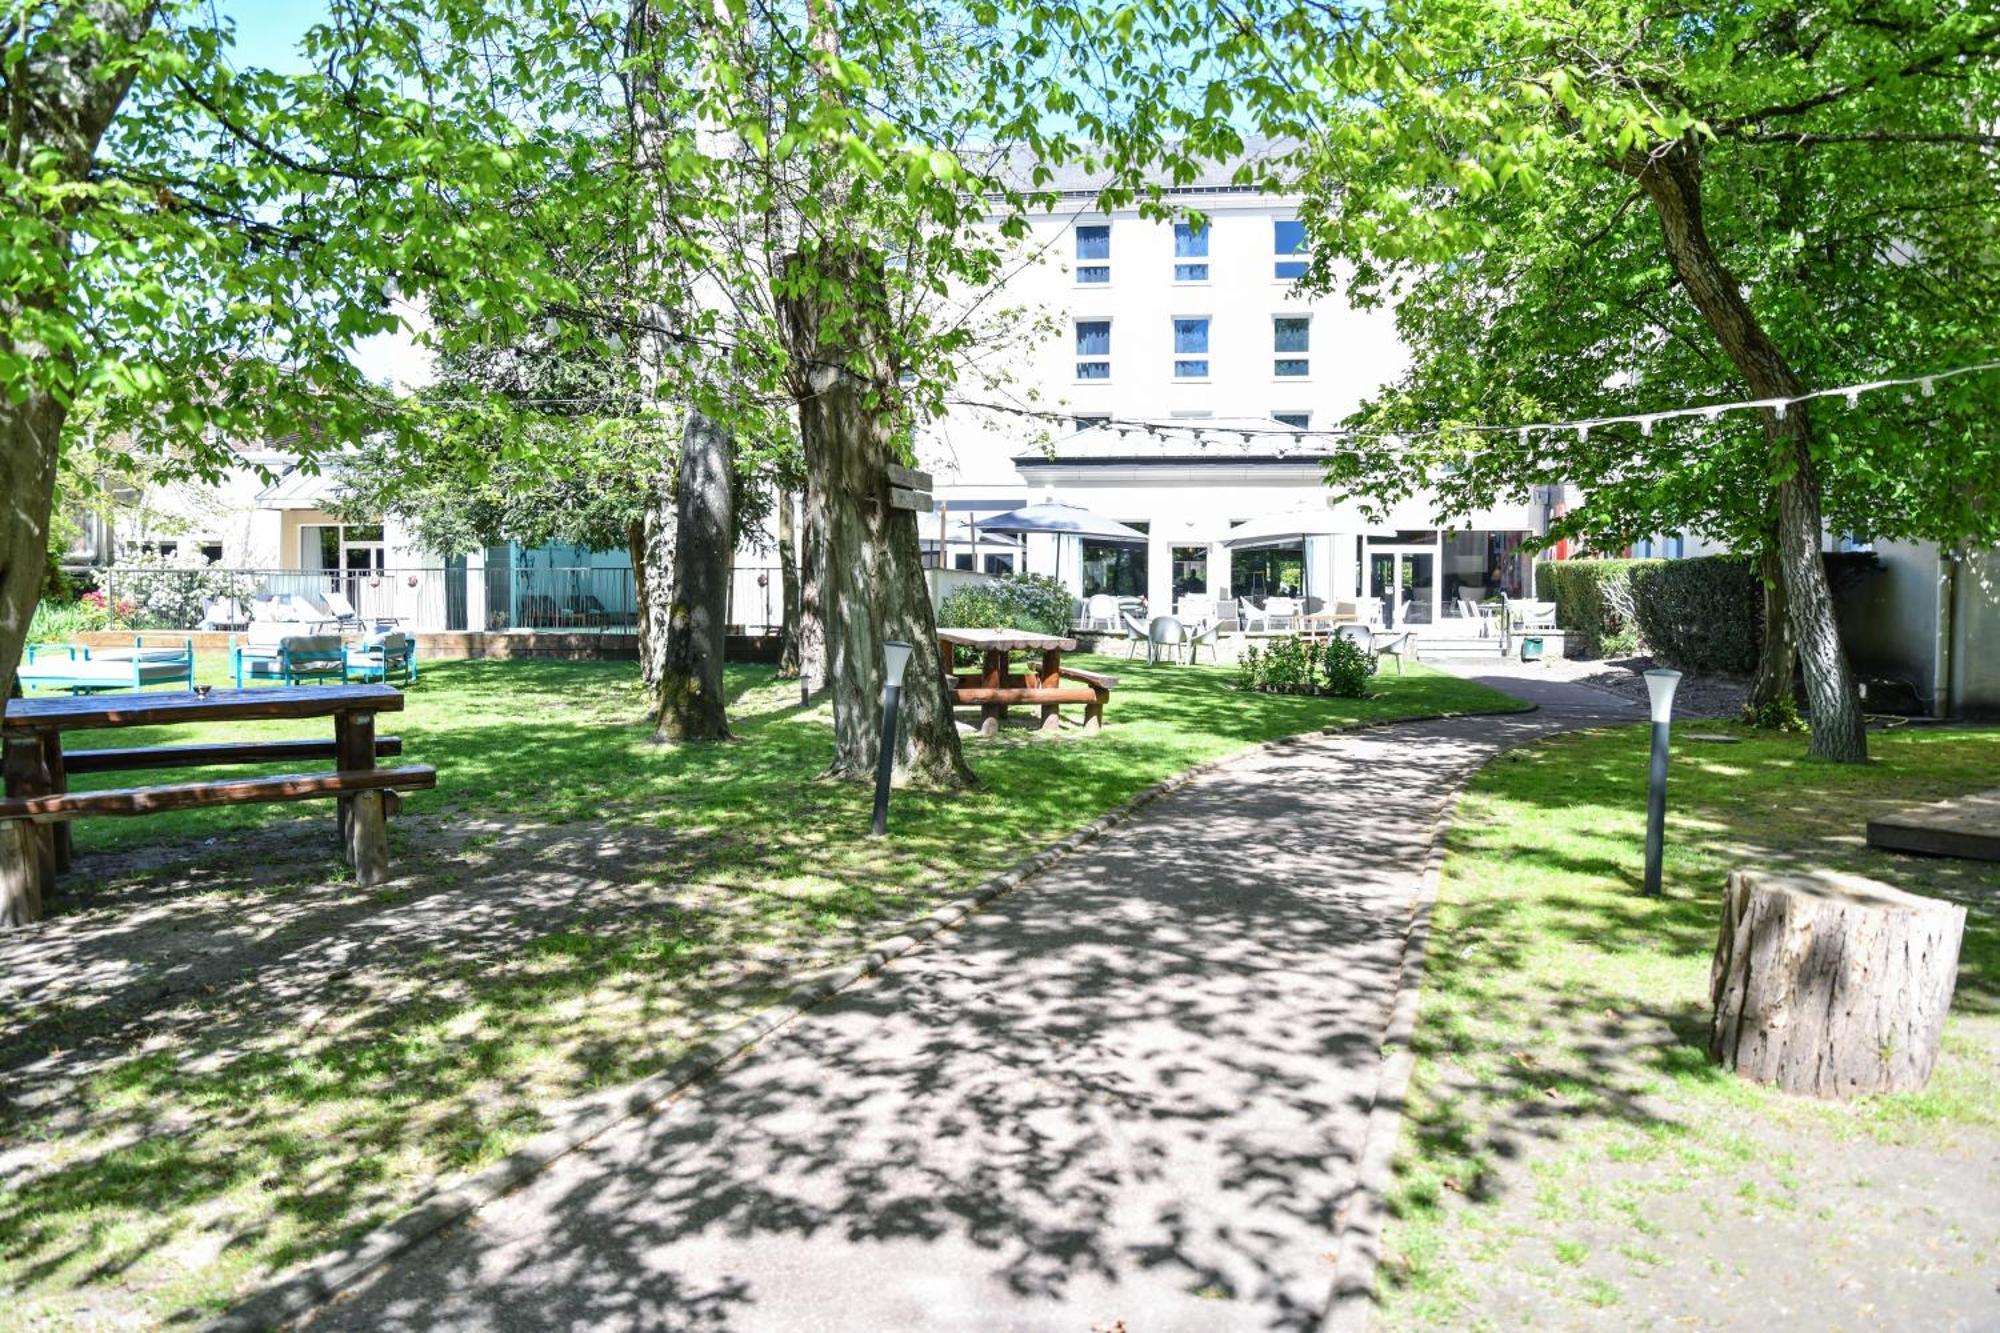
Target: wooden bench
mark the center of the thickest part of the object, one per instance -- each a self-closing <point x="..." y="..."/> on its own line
<point x="364" y="790"/>
<point x="205" y="756"/>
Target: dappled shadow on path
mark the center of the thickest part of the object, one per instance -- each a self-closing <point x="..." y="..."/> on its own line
<point x="1133" y="1090"/>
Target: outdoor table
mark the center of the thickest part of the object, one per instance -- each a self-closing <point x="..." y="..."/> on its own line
<point x="996" y="686"/>
<point x="31" y="730"/>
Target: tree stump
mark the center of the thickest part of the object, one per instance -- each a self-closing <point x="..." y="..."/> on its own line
<point x="1831" y="985"/>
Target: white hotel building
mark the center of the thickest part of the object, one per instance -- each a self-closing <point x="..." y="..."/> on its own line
<point x="1202" y="333"/>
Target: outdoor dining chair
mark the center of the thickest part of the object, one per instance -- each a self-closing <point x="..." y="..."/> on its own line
<point x="1166" y="636"/>
<point x="1208" y="637"/>
<point x="1100" y="611"/>
<point x="1250" y="616"/>
<point x="1135" y="634"/>
<point x="1281" y="613"/>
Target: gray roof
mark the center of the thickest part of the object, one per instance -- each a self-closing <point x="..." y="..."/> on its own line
<point x="1077" y="179"/>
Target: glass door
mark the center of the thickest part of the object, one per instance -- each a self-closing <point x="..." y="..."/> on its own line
<point x="362" y="556"/>
<point x="1381" y="586"/>
<point x="1416" y="586"/>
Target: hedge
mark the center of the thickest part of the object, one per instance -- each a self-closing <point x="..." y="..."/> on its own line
<point x="1593" y="602"/>
<point x="1011" y="601"/>
<point x="1701" y="615"/>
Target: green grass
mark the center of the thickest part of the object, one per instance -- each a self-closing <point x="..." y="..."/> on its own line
<point x="220" y="1127"/>
<point x="1562" y="1081"/>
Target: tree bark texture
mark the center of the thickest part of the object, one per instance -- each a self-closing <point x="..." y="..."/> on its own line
<point x="1671" y="180"/>
<point x="691" y="698"/>
<point x="60" y="99"/>
<point x="873" y="580"/>
<point x="788" y="585"/>
<point x="1777" y="655"/>
<point x="1831" y="985"/>
<point x="653" y="578"/>
<point x="812" y="586"/>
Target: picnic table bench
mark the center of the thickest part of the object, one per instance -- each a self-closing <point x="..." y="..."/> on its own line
<point x="994" y="686"/>
<point x="39" y="806"/>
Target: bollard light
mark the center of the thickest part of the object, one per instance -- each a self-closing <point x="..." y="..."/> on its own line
<point x="895" y="658"/>
<point x="1660" y="687"/>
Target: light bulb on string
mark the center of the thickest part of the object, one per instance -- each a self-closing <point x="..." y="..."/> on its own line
<point x="1853" y="399"/>
<point x="1646" y="426"/>
<point x="1781" y="407"/>
<point x="1930" y="387"/>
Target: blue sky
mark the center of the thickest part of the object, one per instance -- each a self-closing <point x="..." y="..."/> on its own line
<point x="268" y="31"/>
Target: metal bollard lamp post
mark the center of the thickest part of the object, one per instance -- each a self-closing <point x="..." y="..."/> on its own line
<point x="1660" y="686"/>
<point x="895" y="657"/>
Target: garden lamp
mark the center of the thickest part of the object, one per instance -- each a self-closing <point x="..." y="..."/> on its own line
<point x="1660" y="687"/>
<point x="895" y="658"/>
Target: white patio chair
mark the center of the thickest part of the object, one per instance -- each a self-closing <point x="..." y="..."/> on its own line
<point x="1196" y="608"/>
<point x="1207" y="637"/>
<point x="1281" y="613"/>
<point x="342" y="610"/>
<point x="1135" y="634"/>
<point x="1168" y="634"/>
<point x="1100" y="611"/>
<point x="1251" y="616"/>
<point x="1396" y="643"/>
<point x="1470" y="609"/>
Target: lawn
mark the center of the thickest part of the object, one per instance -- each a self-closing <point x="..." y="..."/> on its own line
<point x="222" y="1058"/>
<point x="1571" y="1158"/>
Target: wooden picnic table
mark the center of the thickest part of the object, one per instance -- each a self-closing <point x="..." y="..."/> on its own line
<point x="36" y="767"/>
<point x="995" y="686"/>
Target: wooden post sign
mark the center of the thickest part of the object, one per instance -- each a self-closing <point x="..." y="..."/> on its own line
<point x="909" y="489"/>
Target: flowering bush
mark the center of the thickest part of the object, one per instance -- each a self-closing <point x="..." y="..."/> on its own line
<point x="173" y="592"/>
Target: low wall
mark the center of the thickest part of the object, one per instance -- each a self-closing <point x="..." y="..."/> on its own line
<point x="448" y="645"/>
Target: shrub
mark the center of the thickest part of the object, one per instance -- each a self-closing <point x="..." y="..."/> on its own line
<point x="1593" y="602"/>
<point x="1699" y="615"/>
<point x="1348" y="667"/>
<point x="60" y="621"/>
<point x="173" y="592"/>
<point x="1032" y="602"/>
<point x="1297" y="665"/>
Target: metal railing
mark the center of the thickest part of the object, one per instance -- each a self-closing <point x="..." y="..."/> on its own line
<point x="454" y="597"/>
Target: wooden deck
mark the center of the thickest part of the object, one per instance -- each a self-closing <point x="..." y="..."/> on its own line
<point x="1966" y="826"/>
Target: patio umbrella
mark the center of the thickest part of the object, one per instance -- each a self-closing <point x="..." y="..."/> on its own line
<point x="1062" y="520"/>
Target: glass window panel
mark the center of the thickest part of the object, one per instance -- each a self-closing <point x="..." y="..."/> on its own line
<point x="1190" y="335"/>
<point x="1093" y="337"/>
<point x="1190" y="273"/>
<point x="1293" y="369"/>
<point x="1296" y="420"/>
<point x="1291" y="334"/>
<point x="1290" y="236"/>
<point x="1190" y="242"/>
<point x="1290" y="269"/>
<point x="364" y="532"/>
<point x="1093" y="275"/>
<point x="1093" y="242"/>
<point x="1093" y="370"/>
<point x="1190" y="370"/>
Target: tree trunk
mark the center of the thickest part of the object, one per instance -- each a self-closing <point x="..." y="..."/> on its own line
<point x="788" y="585"/>
<point x="1777" y="656"/>
<point x="1831" y="985"/>
<point x="874" y="585"/>
<point x="812" y="591"/>
<point x="691" y="698"/>
<point x="1671" y="179"/>
<point x="63" y="100"/>
<point x="653" y="579"/>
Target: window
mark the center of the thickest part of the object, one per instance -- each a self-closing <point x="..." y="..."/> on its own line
<point x="999" y="564"/>
<point x="1190" y="570"/>
<point x="962" y="560"/>
<point x="1089" y="421"/>
<point x="1289" y="241"/>
<point x="1093" y="349"/>
<point x="1093" y="253"/>
<point x="1292" y="340"/>
<point x="1296" y="420"/>
<point x="1190" y="253"/>
<point x="1191" y="348"/>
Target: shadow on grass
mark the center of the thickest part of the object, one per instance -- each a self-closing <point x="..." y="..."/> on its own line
<point x="1559" y="1001"/>
<point x="246" y="1060"/>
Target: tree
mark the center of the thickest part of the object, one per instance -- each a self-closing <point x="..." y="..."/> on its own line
<point x="195" y="247"/>
<point x="1632" y="206"/>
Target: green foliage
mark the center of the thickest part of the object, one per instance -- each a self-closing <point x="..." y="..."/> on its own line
<point x="1781" y="714"/>
<point x="1593" y="602"/>
<point x="1348" y="667"/>
<point x="173" y="592"/>
<point x="62" y="621"/>
<point x="1011" y="601"/>
<point x="1699" y="615"/>
<point x="1298" y="665"/>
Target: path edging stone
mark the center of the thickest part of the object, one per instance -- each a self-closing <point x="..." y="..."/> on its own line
<point x="575" y="1123"/>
